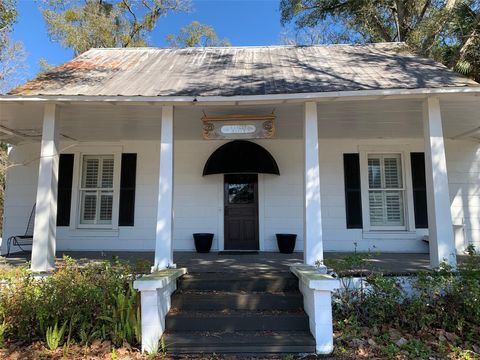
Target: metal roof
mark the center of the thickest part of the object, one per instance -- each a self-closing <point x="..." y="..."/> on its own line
<point x="233" y="71"/>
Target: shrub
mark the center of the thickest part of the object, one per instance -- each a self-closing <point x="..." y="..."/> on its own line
<point x="443" y="299"/>
<point x="84" y="299"/>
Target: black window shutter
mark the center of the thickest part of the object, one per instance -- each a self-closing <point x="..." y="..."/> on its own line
<point x="64" y="197"/>
<point x="353" y="195"/>
<point x="419" y="184"/>
<point x="126" y="214"/>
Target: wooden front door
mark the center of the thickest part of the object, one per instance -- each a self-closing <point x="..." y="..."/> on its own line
<point x="241" y="212"/>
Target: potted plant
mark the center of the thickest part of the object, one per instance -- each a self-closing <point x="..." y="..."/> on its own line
<point x="203" y="242"/>
<point x="286" y="243"/>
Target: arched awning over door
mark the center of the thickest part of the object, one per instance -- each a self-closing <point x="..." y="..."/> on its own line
<point x="241" y="157"/>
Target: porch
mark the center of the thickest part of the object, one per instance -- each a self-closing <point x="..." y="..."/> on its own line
<point x="388" y="263"/>
<point x="312" y="197"/>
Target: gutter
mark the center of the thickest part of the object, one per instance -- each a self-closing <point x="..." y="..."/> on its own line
<point x="250" y="99"/>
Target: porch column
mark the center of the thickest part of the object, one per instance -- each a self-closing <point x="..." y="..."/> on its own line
<point x="313" y="239"/>
<point x="440" y="227"/>
<point x="164" y="234"/>
<point x="44" y="231"/>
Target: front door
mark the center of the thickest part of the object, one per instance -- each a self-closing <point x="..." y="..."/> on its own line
<point x="241" y="212"/>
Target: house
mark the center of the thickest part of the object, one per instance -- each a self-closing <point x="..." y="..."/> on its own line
<point x="356" y="139"/>
<point x="364" y="147"/>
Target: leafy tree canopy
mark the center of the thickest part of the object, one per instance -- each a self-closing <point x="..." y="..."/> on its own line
<point x="445" y="30"/>
<point x="83" y="24"/>
<point x="196" y="34"/>
<point x="8" y="14"/>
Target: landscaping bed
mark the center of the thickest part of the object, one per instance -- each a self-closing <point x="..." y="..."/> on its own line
<point x="91" y="311"/>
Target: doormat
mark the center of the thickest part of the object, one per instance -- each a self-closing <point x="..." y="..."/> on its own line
<point x="237" y="252"/>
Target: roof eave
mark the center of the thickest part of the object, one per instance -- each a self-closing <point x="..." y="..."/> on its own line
<point x="251" y="99"/>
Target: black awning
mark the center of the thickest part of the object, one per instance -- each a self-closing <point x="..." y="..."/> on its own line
<point x="241" y="157"/>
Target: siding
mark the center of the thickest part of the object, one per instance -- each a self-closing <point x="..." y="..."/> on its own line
<point x="463" y="164"/>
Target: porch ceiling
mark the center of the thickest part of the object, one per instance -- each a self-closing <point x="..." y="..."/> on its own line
<point x="381" y="118"/>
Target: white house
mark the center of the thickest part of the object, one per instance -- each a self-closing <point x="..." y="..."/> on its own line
<point x="366" y="144"/>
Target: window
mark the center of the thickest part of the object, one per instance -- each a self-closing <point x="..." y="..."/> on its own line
<point x="96" y="190"/>
<point x="386" y="191"/>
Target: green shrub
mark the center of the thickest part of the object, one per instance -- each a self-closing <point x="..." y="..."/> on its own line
<point x="443" y="299"/>
<point x="92" y="299"/>
<point x="125" y="319"/>
<point x="417" y="350"/>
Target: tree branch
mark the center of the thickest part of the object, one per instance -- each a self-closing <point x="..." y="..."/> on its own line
<point x="424" y="10"/>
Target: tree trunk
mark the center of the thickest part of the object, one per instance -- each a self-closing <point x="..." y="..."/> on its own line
<point x="399" y="14"/>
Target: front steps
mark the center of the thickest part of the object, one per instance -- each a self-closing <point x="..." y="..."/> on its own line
<point x="242" y="312"/>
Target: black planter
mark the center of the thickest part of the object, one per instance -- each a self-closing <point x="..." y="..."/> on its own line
<point x="286" y="243"/>
<point x="203" y="242"/>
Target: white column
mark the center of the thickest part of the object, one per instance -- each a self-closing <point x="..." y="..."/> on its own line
<point x="163" y="241"/>
<point x="440" y="228"/>
<point x="313" y="240"/>
<point x="44" y="232"/>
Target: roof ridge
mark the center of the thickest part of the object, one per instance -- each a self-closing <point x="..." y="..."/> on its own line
<point x="392" y="43"/>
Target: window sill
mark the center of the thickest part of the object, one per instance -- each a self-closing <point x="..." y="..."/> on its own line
<point x="389" y="234"/>
<point x="94" y="232"/>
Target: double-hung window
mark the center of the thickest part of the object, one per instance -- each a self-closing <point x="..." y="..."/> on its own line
<point x="386" y="191"/>
<point x="97" y="190"/>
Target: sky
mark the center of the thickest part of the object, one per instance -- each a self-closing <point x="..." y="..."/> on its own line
<point x="243" y="22"/>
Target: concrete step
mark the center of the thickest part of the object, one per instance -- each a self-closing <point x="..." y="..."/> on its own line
<point x="212" y="300"/>
<point x="231" y="282"/>
<point x="231" y="321"/>
<point x="240" y="342"/>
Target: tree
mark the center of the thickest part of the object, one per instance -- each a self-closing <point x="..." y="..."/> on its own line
<point x="12" y="54"/>
<point x="83" y="24"/>
<point x="11" y="61"/>
<point x="327" y="32"/>
<point x="8" y="14"/>
<point x="445" y="30"/>
<point x="196" y="34"/>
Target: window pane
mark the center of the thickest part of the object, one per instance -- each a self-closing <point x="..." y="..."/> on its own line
<point x="394" y="206"/>
<point x="241" y="193"/>
<point x="393" y="172"/>
<point x="374" y="173"/>
<point x="386" y="208"/>
<point x="375" y="199"/>
<point x="90" y="172"/>
<point x="107" y="173"/>
<point x="89" y="207"/>
<point x="106" y="202"/>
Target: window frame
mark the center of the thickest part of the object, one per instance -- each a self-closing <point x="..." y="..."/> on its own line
<point x="95" y="150"/>
<point x="408" y="212"/>
<point x="96" y="190"/>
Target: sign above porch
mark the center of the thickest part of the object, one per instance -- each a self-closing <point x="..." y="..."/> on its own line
<point x="237" y="126"/>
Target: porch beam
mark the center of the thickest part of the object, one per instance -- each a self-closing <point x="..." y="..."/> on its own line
<point x="440" y="227"/>
<point x="164" y="230"/>
<point x="44" y="232"/>
<point x="313" y="237"/>
<point x="446" y="92"/>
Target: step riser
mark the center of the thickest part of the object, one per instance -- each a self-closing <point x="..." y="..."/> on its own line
<point x="263" y="285"/>
<point x="244" y="350"/>
<point x="286" y="342"/>
<point x="215" y="301"/>
<point x="231" y="323"/>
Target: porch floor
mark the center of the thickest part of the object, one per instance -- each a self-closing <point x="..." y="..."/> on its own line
<point x="391" y="263"/>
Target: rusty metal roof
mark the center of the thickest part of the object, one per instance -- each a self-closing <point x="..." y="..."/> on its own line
<point x="230" y="71"/>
